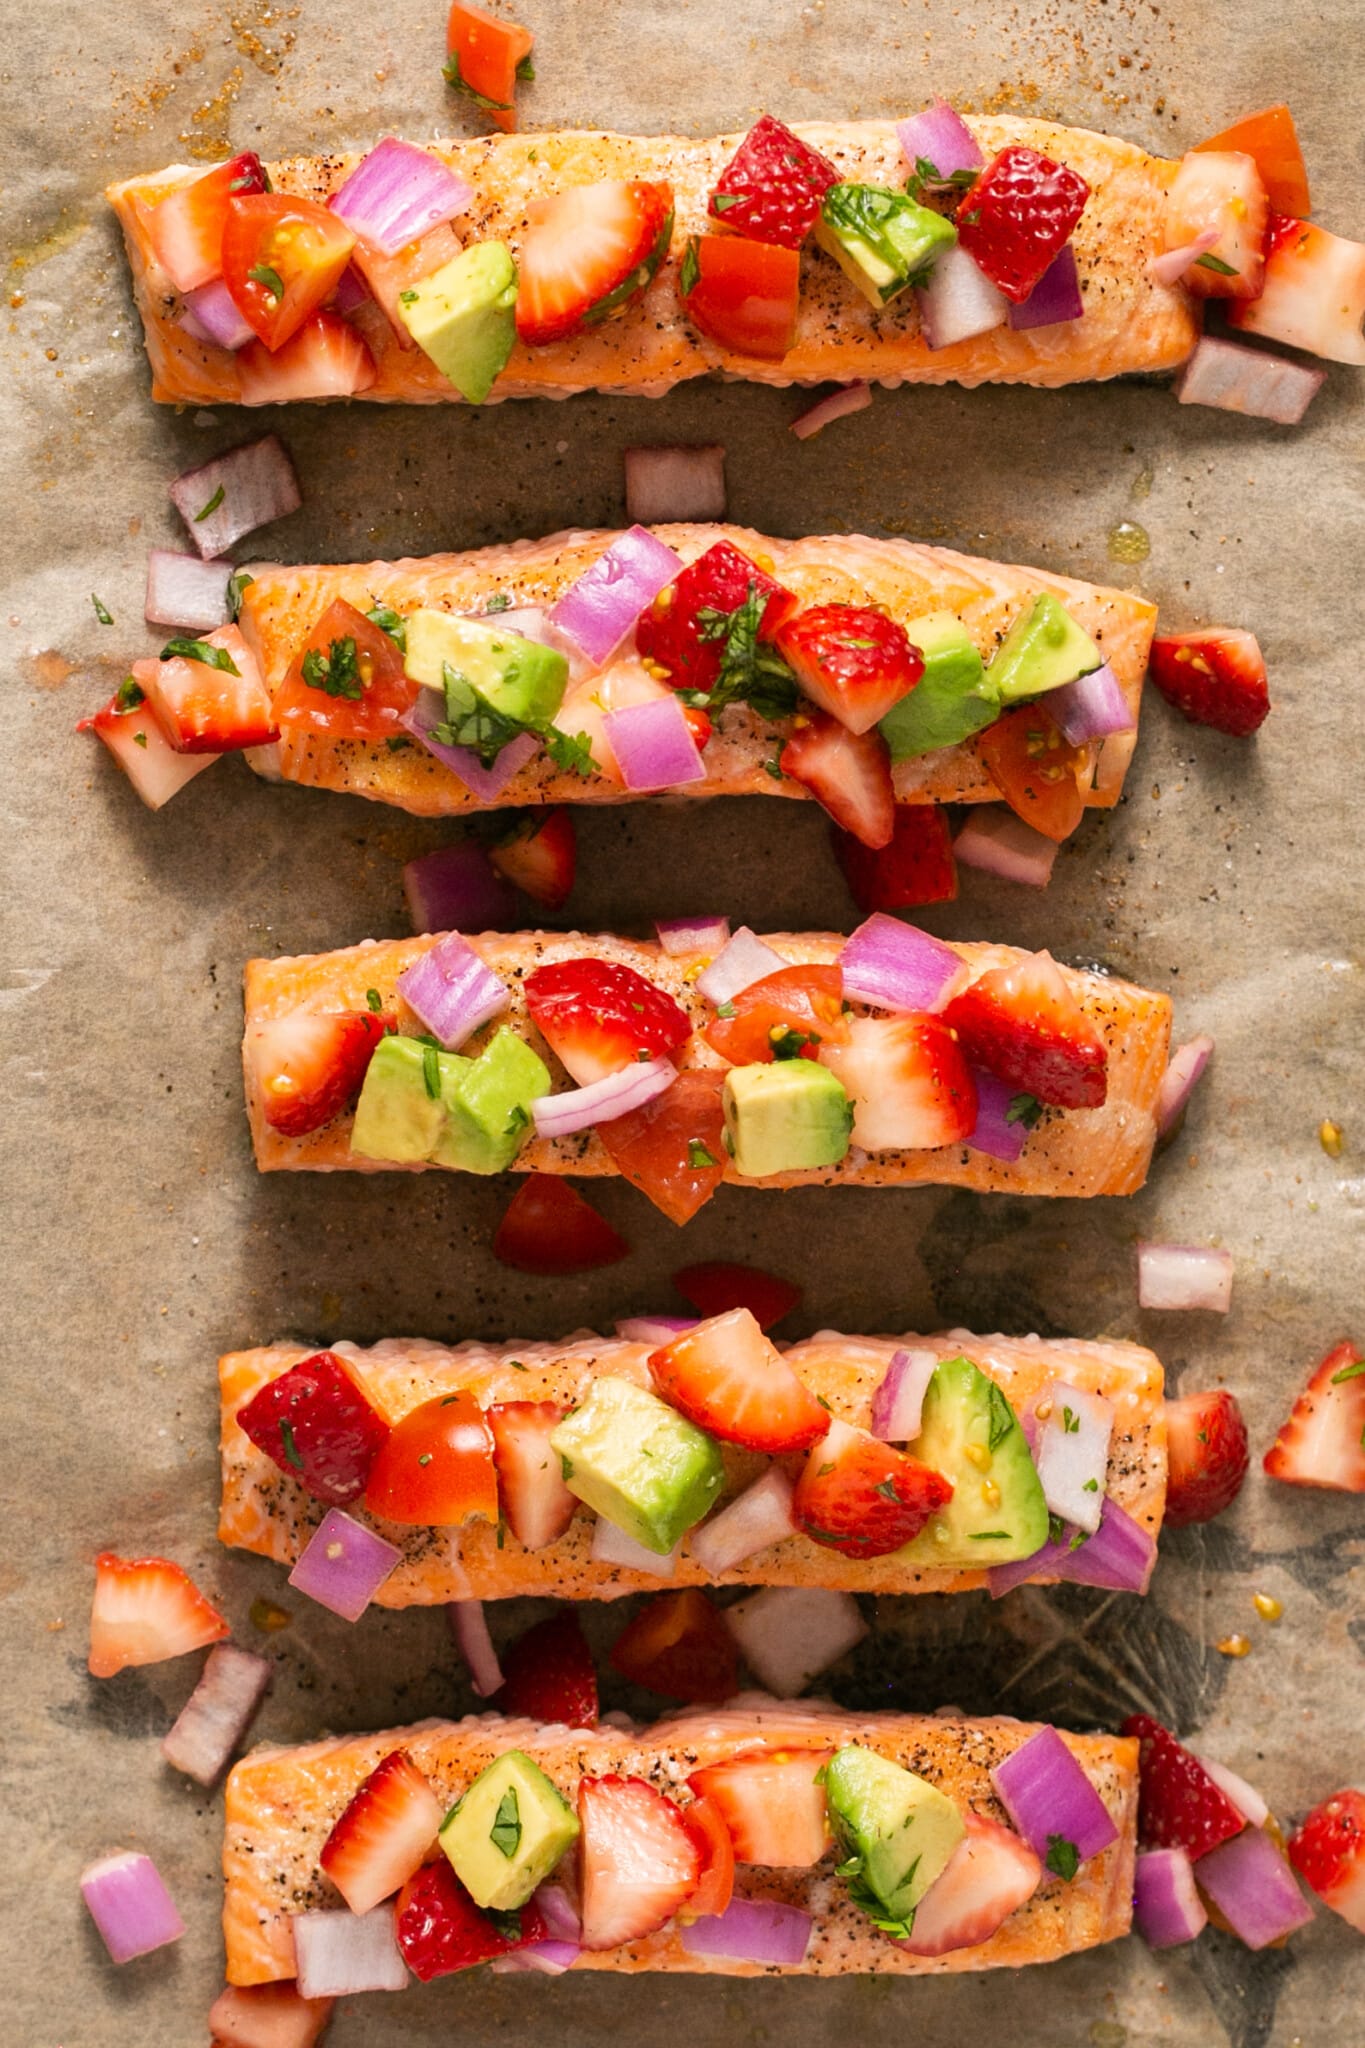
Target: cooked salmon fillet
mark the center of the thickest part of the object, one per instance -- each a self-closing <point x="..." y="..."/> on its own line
<point x="282" y="606"/>
<point x="265" y="1510"/>
<point x="1102" y="1151"/>
<point x="1131" y="323"/>
<point x="281" y="1804"/>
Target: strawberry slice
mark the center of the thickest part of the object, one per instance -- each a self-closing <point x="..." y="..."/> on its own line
<point x="1313" y="293"/>
<point x="588" y="252"/>
<point x="185" y="228"/>
<point x="715" y="1285"/>
<point x="1328" y="1851"/>
<point x="317" y="1425"/>
<point x="1215" y="678"/>
<point x="1323" y="1442"/>
<point x="910" y="1086"/>
<point x="772" y="187"/>
<point x="538" y="856"/>
<point x="681" y="637"/>
<point x="673" y="1149"/>
<point x="716" y="1886"/>
<point x="773" y="1804"/>
<point x="267" y="2016"/>
<point x="1019" y="216"/>
<point x="599" y="1017"/>
<point x="208" y="695"/>
<point x="726" y="1377"/>
<point x="849" y="773"/>
<point x="915" y="866"/>
<point x="638" y="1860"/>
<point x="1023" y="1023"/>
<point x="1206" y="1448"/>
<point x="384" y="1834"/>
<point x="1180" y="1806"/>
<point x="679" y="1646"/>
<point x="989" y="1875"/>
<point x="323" y="358"/>
<point x="439" y="1928"/>
<point x="549" y="1674"/>
<point x="548" y="1228"/>
<point x="862" y="1498"/>
<point x="852" y="661"/>
<point x="536" y="1504"/>
<point x="1220" y="192"/>
<point x="146" y="1610"/>
<point x="789" y="1014"/>
<point x="308" y="1065"/>
<point x="129" y="728"/>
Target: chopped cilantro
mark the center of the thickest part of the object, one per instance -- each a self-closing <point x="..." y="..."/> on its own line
<point x="407" y="298"/>
<point x="1091" y="1486"/>
<point x="725" y="1009"/>
<point x="102" y="613"/>
<point x="565" y="1468"/>
<point x="863" y="1896"/>
<point x="450" y="71"/>
<point x="790" y="1044"/>
<point x="200" y="650"/>
<point x="216" y="500"/>
<point x="1056" y="1529"/>
<point x="1348" y="1372"/>
<point x="751" y="669"/>
<point x="1001" y="1417"/>
<point x="129" y="695"/>
<point x="1071" y="1422"/>
<point x="335" y="672"/>
<point x="236" y="585"/>
<point x="139" y="739"/>
<point x="690" y="269"/>
<point x="526" y="70"/>
<point x="431" y="1071"/>
<point x="1215" y="263"/>
<point x="571" y="752"/>
<point x="927" y="178"/>
<point x="271" y="281"/>
<point x="291" y="1449"/>
<point x="697" y="1154"/>
<point x="721" y="202"/>
<point x="499" y="602"/>
<point x="505" y="1833"/>
<point x="374" y="1000"/>
<point x="396" y="742"/>
<point x="508" y="1926"/>
<point x="1025" y="1110"/>
<point x="391" y="622"/>
<point x="990" y="1535"/>
<point x="887" y="1490"/>
<point x="1063" y="1858"/>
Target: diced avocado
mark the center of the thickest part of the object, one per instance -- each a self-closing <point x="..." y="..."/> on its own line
<point x="1043" y="649"/>
<point x="639" y="1463"/>
<point x="782" y="1115"/>
<point x="507" y="1833"/>
<point x="971" y="1434"/>
<point x="464" y="317"/>
<point x="521" y="680"/>
<point x="401" y="1112"/>
<point x="488" y="1106"/>
<point x="897" y="1832"/>
<point x="880" y="238"/>
<point x="950" y="701"/>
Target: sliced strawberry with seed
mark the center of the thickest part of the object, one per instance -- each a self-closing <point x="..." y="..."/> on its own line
<point x="638" y="1860"/>
<point x="317" y="1425"/>
<point x="549" y="1675"/>
<point x="384" y="1834"/>
<point x="726" y="1377"/>
<point x="539" y="856"/>
<point x="716" y="1886"/>
<point x="548" y="1228"/>
<point x="679" y="1646"/>
<point x="772" y="187"/>
<point x="774" y="1805"/>
<point x="1023" y="1023"/>
<point x="202" y="707"/>
<point x="131" y="731"/>
<point x="849" y="773"/>
<point x="915" y="866"/>
<point x="185" y="228"/>
<point x="536" y="1504"/>
<point x="599" y="1016"/>
<point x="1216" y="678"/>
<point x="1313" y="292"/>
<point x="910" y="1086"/>
<point x="588" y="252"/>
<point x="861" y="1497"/>
<point x="1323" y="1442"/>
<point x="852" y="661"/>
<point x="1328" y="1851"/>
<point x="715" y="1285"/>
<point x="989" y="1875"/>
<point x="1207" y="1454"/>
<point x="681" y="635"/>
<point x="1018" y="216"/>
<point x="439" y="1928"/>
<point x="146" y="1610"/>
<point x="1180" y="1806"/>
<point x="323" y="358"/>
<point x="1222" y="193"/>
<point x="308" y="1066"/>
<point x="673" y="1149"/>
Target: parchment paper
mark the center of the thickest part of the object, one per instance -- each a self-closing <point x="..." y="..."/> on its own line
<point x="140" y="1243"/>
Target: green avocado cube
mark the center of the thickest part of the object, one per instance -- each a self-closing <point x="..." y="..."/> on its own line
<point x="1042" y="650"/>
<point x="897" y="1832"/>
<point x="880" y="238"/>
<point x="971" y="1434"/>
<point x="507" y="1833"/>
<point x="785" y="1115"/>
<point x="488" y="1105"/>
<point x="464" y="316"/>
<point x="478" y="664"/>
<point x="638" y="1463"/>
<point x="401" y="1112"/>
<point x="950" y="701"/>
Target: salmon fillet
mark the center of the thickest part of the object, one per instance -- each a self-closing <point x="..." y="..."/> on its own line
<point x="281" y="1804"/>
<point x="1131" y="323"/>
<point x="281" y="608"/>
<point x="1102" y="1151"/>
<point x="266" y="1511"/>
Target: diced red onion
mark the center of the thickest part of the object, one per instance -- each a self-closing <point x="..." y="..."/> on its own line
<point x="267" y="2016"/>
<point x="551" y="1958"/>
<point x="1178" y="1082"/>
<point x="601" y="606"/>
<point x="258" y="485"/>
<point x="788" y="1635"/>
<point x="1073" y="1454"/>
<point x="1045" y="1792"/>
<point x="612" y="1546"/>
<point x="997" y="842"/>
<point x="211" y="314"/>
<point x="344" y="1565"/>
<point x="451" y="991"/>
<point x="1091" y="708"/>
<point x="184" y="590"/>
<point x="1244" y="1797"/>
<point x="898" y="1403"/>
<point x="679" y="935"/>
<point x="655" y="1330"/>
<point x="896" y="966"/>
<point x="959" y="301"/>
<point x="994" y="1134"/>
<point x="1171" y="265"/>
<point x="487" y="784"/>
<point x="755" y="1520"/>
<point x="1254" y="1889"/>
<point x="1120" y="1557"/>
<point x="1232" y="378"/>
<point x="578" y="1109"/>
<point x="665" y="484"/>
<point x="942" y="138"/>
<point x="130" y="1905"/>
<point x="558" y="1912"/>
<point x="836" y="405"/>
<point x="398" y="193"/>
<point x="1055" y="298"/>
<point x="739" y="964"/>
<point x="217" y="1714"/>
<point x="351" y="293"/>
<point x="1184" y="1276"/>
<point x="751" y="1931"/>
<point x="1167" y="1909"/>
<point x="458" y="889"/>
<point x="653" y="745"/>
<point x="340" y="1953"/>
<point x="469" y="1626"/>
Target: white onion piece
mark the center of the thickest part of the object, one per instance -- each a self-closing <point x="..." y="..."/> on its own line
<point x="183" y="590"/>
<point x="1000" y="844"/>
<point x="898" y="1404"/>
<point x="612" y="1546"/>
<point x="1073" y="1454"/>
<point x="1232" y="378"/>
<point x="755" y="1520"/>
<point x="469" y="1626"/>
<point x="1244" y="1797"/>
<point x="665" y="484"/>
<point x="1178" y="1082"/>
<point x="959" y="300"/>
<point x="738" y="966"/>
<point x="257" y="485"/>
<point x="339" y="1953"/>
<point x="788" y="1635"/>
<point x="217" y="1713"/>
<point x="1184" y="1276"/>
<point x="849" y="398"/>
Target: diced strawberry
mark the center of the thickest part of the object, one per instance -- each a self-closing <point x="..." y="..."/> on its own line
<point x="851" y="660"/>
<point x="1323" y="1442"/>
<point x="989" y="1875"/>
<point x="185" y="228"/>
<point x="439" y="1928"/>
<point x="1206" y="1446"/>
<point x="1223" y="191"/>
<point x="131" y="731"/>
<point x="1328" y="1851"/>
<point x="205" y="707"/>
<point x="538" y="856"/>
<point x="862" y="1498"/>
<point x="715" y="1285"/>
<point x="679" y="1646"/>
<point x="1215" y="678"/>
<point x="587" y="253"/>
<point x="599" y="1017"/>
<point x="909" y="1084"/>
<point x="1023" y="1023"/>
<point x="1313" y="293"/>
<point x="726" y="1377"/>
<point x="549" y="1674"/>
<point x="849" y="773"/>
<point x="681" y="636"/>
<point x="318" y="1426"/>
<point x="267" y="2016"/>
<point x="791" y="1013"/>
<point x="915" y="866"/>
<point x="323" y="358"/>
<point x="309" y="1065"/>
<point x="773" y="1803"/>
<point x="716" y="1886"/>
<point x="638" y="1860"/>
<point x="772" y="187"/>
<point x="548" y="1228"/>
<point x="536" y="1504"/>
<point x="384" y="1834"/>
<point x="1270" y="137"/>
<point x="145" y="1610"/>
<point x="1018" y="216"/>
<point x="673" y="1149"/>
<point x="1180" y="1806"/>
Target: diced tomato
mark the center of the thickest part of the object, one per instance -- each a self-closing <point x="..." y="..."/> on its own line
<point x="384" y="1833"/>
<point x="323" y="358"/>
<point x="1313" y="295"/>
<point x="1019" y="216"/>
<point x="1323" y="1441"/>
<point x="863" y="1498"/>
<point x="549" y="1675"/>
<point x="487" y="56"/>
<point x="717" y="1285"/>
<point x="439" y="1928"/>
<point x="679" y="1646"/>
<point x="185" y="228"/>
<point x="145" y="1610"/>
<point x="638" y="1860"/>
<point x="203" y="707"/>
<point x="848" y="773"/>
<point x="282" y="259"/>
<point x="1216" y="678"/>
<point x="131" y="731"/>
<point x="435" y="1468"/>
<point x="773" y="1803"/>
<point x="743" y="295"/>
<point x="1270" y="137"/>
<point x="1223" y="191"/>
<point x="673" y="1149"/>
<point x="772" y="187"/>
<point x="389" y="276"/>
<point x="684" y="648"/>
<point x="318" y="1427"/>
<point x="536" y="1504"/>
<point x="851" y="660"/>
<point x="1035" y="769"/>
<point x="599" y="1016"/>
<point x="989" y="1875"/>
<point x="1023" y="1023"/>
<point x="588" y="252"/>
<point x="1207" y="1455"/>
<point x="308" y="1065"/>
<point x="715" y="1887"/>
<point x="1180" y="1806"/>
<point x="548" y="1228"/>
<point x="910" y="1086"/>
<point x="539" y="856"/>
<point x="699" y="725"/>
<point x="915" y="866"/>
<point x="1328" y="1851"/>
<point x="792" y="1014"/>
<point x="347" y="680"/>
<point x="726" y="1377"/>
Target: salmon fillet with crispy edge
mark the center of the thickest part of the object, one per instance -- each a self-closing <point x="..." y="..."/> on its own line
<point x="1067" y="1152"/>
<point x="282" y="1803"/>
<point x="266" y="1511"/>
<point x="906" y="580"/>
<point x="1131" y="323"/>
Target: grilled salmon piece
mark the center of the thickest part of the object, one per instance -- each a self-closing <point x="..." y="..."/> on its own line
<point x="281" y="608"/>
<point x="265" y="1510"/>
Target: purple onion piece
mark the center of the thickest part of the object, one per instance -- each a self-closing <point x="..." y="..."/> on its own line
<point x="1119" y="1557"/>
<point x="451" y="991"/>
<point x="994" y="1134"/>
<point x="1090" y="708"/>
<point x="130" y="1905"/>
<point x="398" y="193"/>
<point x="344" y="1565"/>
<point x="1254" y="1889"/>
<point x="751" y="1931"/>
<point x="487" y="784"/>
<point x="211" y="315"/>
<point x="941" y="137"/>
<point x="653" y="746"/>
<point x="601" y="607"/>
<point x="895" y="966"/>
<point x="664" y="484"/>
<point x="223" y="500"/>
<point x="456" y="888"/>
<point x="1046" y="1793"/>
<point x="1055" y="298"/>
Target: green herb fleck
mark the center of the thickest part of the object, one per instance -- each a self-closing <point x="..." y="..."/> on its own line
<point x="139" y="739"/>
<point x="526" y="70"/>
<point x="236" y="585"/>
<point x="508" y="1926"/>
<point x="1056" y="1529"/>
<point x="200" y="650"/>
<point x="791" y="1044"/>
<point x="565" y="1468"/>
<point x="498" y="602"/>
<point x="271" y="281"/>
<point x="431" y="1071"/>
<point x="391" y="622"/>
<point x="721" y="202"/>
<point x="1025" y="1110"/>
<point x="1000" y="1417"/>
<point x="698" y="1156"/>
<point x="570" y="752"/>
<point x="291" y="1449"/>
<point x="1091" y="1486"/>
<point x="216" y="500"/>
<point x="990" y="1535"/>
<point x="102" y="613"/>
<point x="129" y="695"/>
<point x="1348" y="1372"/>
<point x="927" y="178"/>
<point x="725" y="1009"/>
<point x="450" y="71"/>
<point x="505" y="1833"/>
<point x="1215" y="263"/>
<point x="336" y="672"/>
<point x="887" y="1490"/>
<point x="690" y="268"/>
<point x="751" y="670"/>
<point x="396" y="742"/>
<point x="1071" y="1422"/>
<point x="374" y="1000"/>
<point x="1062" y="1858"/>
